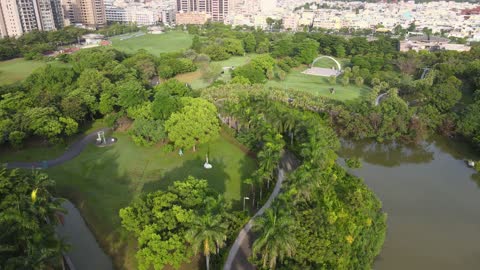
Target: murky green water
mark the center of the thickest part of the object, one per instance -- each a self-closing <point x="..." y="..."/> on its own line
<point x="85" y="253"/>
<point x="432" y="200"/>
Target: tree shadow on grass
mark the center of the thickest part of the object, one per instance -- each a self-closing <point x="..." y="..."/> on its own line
<point x="246" y="170"/>
<point x="216" y="176"/>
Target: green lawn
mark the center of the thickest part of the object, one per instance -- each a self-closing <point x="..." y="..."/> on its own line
<point x="195" y="78"/>
<point x="236" y="60"/>
<point x="319" y="85"/>
<point x="155" y="44"/>
<point x="100" y="181"/>
<point x="17" y="69"/>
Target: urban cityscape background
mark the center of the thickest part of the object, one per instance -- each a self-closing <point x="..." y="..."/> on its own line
<point x="441" y="18"/>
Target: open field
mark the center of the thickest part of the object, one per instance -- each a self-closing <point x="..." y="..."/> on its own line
<point x="195" y="78"/>
<point x="154" y="44"/>
<point x="319" y="85"/>
<point x="17" y="69"/>
<point x="100" y="181"/>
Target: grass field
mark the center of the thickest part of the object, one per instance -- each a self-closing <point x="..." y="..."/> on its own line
<point x="100" y="181"/>
<point x="319" y="85"/>
<point x="195" y="78"/>
<point x="155" y="44"/>
<point x="17" y="69"/>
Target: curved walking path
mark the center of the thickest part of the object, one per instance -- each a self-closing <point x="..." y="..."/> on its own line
<point x="379" y="98"/>
<point x="242" y="247"/>
<point x="73" y="150"/>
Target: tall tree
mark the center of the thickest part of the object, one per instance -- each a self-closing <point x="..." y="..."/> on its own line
<point x="208" y="234"/>
<point x="194" y="124"/>
<point x="276" y="242"/>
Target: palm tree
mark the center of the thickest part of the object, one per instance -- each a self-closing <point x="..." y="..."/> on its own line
<point x="276" y="240"/>
<point x="207" y="233"/>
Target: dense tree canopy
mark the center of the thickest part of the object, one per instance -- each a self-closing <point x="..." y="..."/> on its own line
<point x="196" y="123"/>
<point x="27" y="223"/>
<point x="165" y="221"/>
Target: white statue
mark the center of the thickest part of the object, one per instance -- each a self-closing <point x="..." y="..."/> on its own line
<point x="207" y="165"/>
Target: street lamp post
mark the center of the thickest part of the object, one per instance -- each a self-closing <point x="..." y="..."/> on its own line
<point x="245" y="198"/>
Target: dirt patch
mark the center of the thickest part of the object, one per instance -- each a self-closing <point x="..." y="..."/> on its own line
<point x="123" y="124"/>
<point x="189" y="77"/>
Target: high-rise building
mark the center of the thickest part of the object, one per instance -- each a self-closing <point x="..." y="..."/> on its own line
<point x="29" y="15"/>
<point x="51" y="15"/>
<point x="22" y="16"/>
<point x="3" y="27"/>
<point x="220" y="10"/>
<point x="90" y="13"/>
<point x="217" y="9"/>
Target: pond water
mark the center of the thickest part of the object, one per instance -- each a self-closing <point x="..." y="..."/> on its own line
<point x="85" y="253"/>
<point x="432" y="200"/>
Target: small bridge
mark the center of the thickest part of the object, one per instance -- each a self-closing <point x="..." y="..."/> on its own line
<point x="324" y="72"/>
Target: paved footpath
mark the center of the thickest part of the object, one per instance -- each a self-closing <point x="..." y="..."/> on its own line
<point x="74" y="150"/>
<point x="242" y="247"/>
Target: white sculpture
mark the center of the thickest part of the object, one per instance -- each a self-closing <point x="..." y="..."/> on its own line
<point x="207" y="165"/>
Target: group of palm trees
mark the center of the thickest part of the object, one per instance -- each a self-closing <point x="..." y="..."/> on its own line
<point x="309" y="137"/>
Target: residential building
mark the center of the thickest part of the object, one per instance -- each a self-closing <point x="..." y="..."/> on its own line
<point x="191" y="17"/>
<point x="29" y="13"/>
<point x="3" y="27"/>
<point x="419" y="43"/>
<point x="51" y="15"/>
<point x="88" y="13"/>
<point x="116" y="14"/>
<point x="217" y="9"/>
<point x="12" y="24"/>
<point x="22" y="16"/>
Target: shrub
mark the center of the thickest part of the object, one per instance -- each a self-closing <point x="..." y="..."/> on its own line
<point x="168" y="148"/>
<point x="353" y="163"/>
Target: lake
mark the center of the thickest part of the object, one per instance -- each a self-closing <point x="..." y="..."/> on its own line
<point x="432" y="200"/>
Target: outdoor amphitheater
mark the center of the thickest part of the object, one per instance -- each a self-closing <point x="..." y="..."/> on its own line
<point x="324" y="72"/>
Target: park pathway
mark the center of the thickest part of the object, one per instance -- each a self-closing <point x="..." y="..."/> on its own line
<point x="74" y="150"/>
<point x="242" y="247"/>
<point x="379" y="98"/>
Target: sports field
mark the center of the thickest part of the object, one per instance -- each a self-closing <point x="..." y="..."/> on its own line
<point x="154" y="44"/>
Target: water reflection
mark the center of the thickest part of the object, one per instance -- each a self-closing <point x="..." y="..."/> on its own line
<point x="85" y="253"/>
<point x="431" y="198"/>
<point x="387" y="154"/>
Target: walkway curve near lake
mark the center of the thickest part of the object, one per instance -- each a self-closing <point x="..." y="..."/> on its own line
<point x="236" y="260"/>
<point x="73" y="150"/>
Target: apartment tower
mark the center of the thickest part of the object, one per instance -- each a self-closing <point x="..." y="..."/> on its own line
<point x="22" y="16"/>
<point x="90" y="13"/>
<point x="217" y="9"/>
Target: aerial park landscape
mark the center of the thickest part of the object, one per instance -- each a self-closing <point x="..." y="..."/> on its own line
<point x="212" y="147"/>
